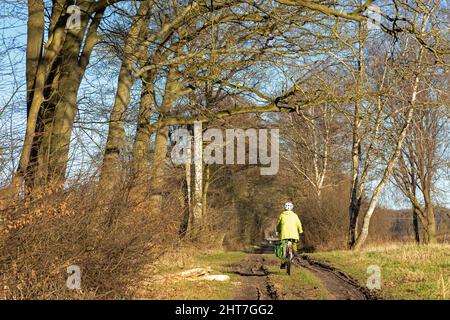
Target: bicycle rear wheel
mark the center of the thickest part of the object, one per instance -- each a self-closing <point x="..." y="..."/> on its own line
<point x="288" y="258"/>
<point x="288" y="266"/>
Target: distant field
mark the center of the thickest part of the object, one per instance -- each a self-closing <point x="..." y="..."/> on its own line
<point x="407" y="271"/>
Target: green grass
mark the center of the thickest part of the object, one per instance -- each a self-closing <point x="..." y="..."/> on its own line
<point x="300" y="285"/>
<point x="407" y="271"/>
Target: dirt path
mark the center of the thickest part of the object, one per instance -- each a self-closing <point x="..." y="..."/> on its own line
<point x="258" y="277"/>
<point x="339" y="285"/>
<point x="254" y="282"/>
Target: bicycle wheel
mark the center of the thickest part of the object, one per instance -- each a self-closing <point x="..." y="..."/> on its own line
<point x="288" y="266"/>
<point x="288" y="258"/>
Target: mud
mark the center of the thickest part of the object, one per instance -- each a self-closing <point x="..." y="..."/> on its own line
<point x="339" y="285"/>
<point x="254" y="283"/>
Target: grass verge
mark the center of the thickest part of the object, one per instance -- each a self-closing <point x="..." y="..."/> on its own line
<point x="408" y="271"/>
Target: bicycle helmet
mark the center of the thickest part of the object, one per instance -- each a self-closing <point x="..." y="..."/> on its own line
<point x="288" y="206"/>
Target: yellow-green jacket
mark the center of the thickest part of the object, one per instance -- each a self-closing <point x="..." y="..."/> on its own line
<point x="289" y="225"/>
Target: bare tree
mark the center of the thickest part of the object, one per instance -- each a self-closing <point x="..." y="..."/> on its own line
<point x="309" y="141"/>
<point x="418" y="165"/>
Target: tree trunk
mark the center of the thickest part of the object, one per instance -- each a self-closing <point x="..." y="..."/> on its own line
<point x="185" y="225"/>
<point x="354" y="209"/>
<point x="34" y="105"/>
<point x="143" y="133"/>
<point x="61" y="133"/>
<point x="416" y="225"/>
<point x="73" y="67"/>
<point x="60" y="72"/>
<point x="158" y="169"/>
<point x="197" y="225"/>
<point x="111" y="171"/>
<point x="357" y="181"/>
<point x="205" y="194"/>
<point x="430" y="227"/>
<point x="160" y="151"/>
<point x="37" y="167"/>
<point x="35" y="38"/>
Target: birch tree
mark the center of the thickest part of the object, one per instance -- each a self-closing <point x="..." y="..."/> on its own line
<point x="423" y="19"/>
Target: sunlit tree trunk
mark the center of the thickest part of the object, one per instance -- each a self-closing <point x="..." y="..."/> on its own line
<point x="160" y="150"/>
<point x="111" y="171"/>
<point x="197" y="210"/>
<point x="430" y="228"/>
<point x="141" y="144"/>
<point x="35" y="38"/>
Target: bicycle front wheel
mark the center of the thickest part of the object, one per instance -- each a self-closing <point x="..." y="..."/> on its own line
<point x="288" y="266"/>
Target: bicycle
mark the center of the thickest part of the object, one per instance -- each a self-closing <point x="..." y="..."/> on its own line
<point x="284" y="248"/>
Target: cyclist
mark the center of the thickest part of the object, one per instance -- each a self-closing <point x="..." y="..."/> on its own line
<point x="290" y="228"/>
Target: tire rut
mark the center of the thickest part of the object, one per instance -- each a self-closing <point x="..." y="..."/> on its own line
<point x="255" y="281"/>
<point x="339" y="285"/>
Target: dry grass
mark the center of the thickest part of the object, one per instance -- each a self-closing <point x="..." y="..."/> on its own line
<point x="162" y="280"/>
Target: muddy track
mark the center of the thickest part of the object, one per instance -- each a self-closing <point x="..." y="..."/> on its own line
<point x="255" y="283"/>
<point x="339" y="285"/>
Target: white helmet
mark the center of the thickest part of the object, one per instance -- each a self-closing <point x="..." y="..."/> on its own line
<point x="288" y="206"/>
